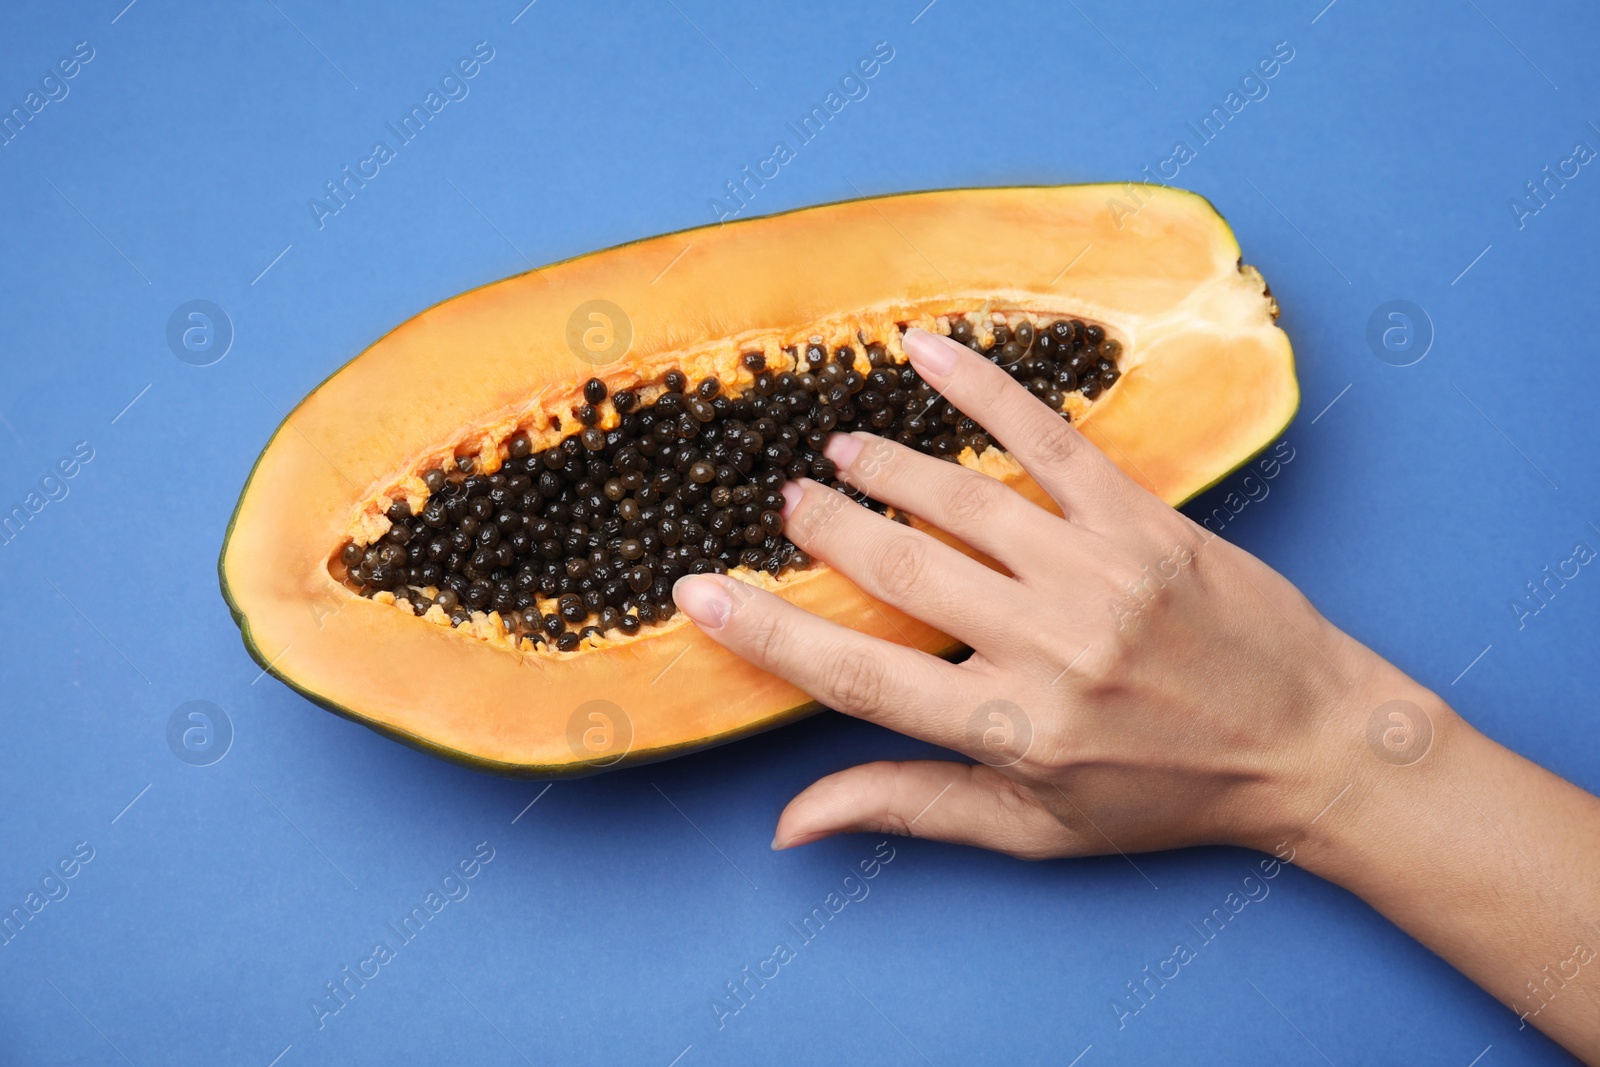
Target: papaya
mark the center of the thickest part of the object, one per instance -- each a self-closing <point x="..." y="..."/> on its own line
<point x="466" y="538"/>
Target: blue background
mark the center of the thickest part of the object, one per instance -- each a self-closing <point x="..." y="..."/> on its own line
<point x="1381" y="167"/>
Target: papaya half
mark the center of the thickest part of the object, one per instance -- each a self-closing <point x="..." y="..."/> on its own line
<point x="466" y="537"/>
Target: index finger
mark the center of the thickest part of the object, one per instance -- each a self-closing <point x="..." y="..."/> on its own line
<point x="1077" y="475"/>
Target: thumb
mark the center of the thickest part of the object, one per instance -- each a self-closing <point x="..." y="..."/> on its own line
<point x="967" y="804"/>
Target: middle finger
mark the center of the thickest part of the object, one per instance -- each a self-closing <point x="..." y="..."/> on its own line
<point x="902" y="566"/>
<point x="980" y="510"/>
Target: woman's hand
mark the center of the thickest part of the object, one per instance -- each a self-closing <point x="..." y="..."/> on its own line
<point x="1136" y="682"/>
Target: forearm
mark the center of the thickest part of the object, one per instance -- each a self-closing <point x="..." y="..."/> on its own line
<point x="1486" y="858"/>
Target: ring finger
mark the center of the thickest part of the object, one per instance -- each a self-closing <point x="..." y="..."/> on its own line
<point x="889" y="684"/>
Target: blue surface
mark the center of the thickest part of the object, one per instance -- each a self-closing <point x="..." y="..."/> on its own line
<point x="1380" y="166"/>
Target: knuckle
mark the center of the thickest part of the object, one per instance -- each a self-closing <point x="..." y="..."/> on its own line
<point x="1059" y="444"/>
<point x="990" y="389"/>
<point x="1046" y="647"/>
<point x="1145" y="586"/>
<point x="892" y="804"/>
<point x="901" y="566"/>
<point x="1037" y="766"/>
<point x="1103" y="668"/>
<point x="1022" y="827"/>
<point x="879" y="459"/>
<point x="871" y="794"/>
<point x="1190" y="542"/>
<point x="1053" y="753"/>
<point x="971" y="498"/>
<point x="858" y="682"/>
<point x="742" y="596"/>
<point x="763" y="633"/>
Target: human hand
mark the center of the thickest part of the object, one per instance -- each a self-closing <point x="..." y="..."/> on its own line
<point x="1136" y="682"/>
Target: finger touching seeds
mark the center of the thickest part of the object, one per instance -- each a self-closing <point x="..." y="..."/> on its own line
<point x="980" y="510"/>
<point x="904" y="567"/>
<point x="707" y="603"/>
<point x="1067" y="466"/>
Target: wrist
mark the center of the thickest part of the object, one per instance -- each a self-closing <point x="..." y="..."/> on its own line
<point x="1451" y="837"/>
<point x="1382" y="767"/>
<point x="1377" y="748"/>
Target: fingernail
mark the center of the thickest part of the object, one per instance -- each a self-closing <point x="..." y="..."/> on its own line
<point x="932" y="353"/>
<point x="779" y="845"/>
<point x="842" y="448"/>
<point x="792" y="492"/>
<point x="703" y="599"/>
